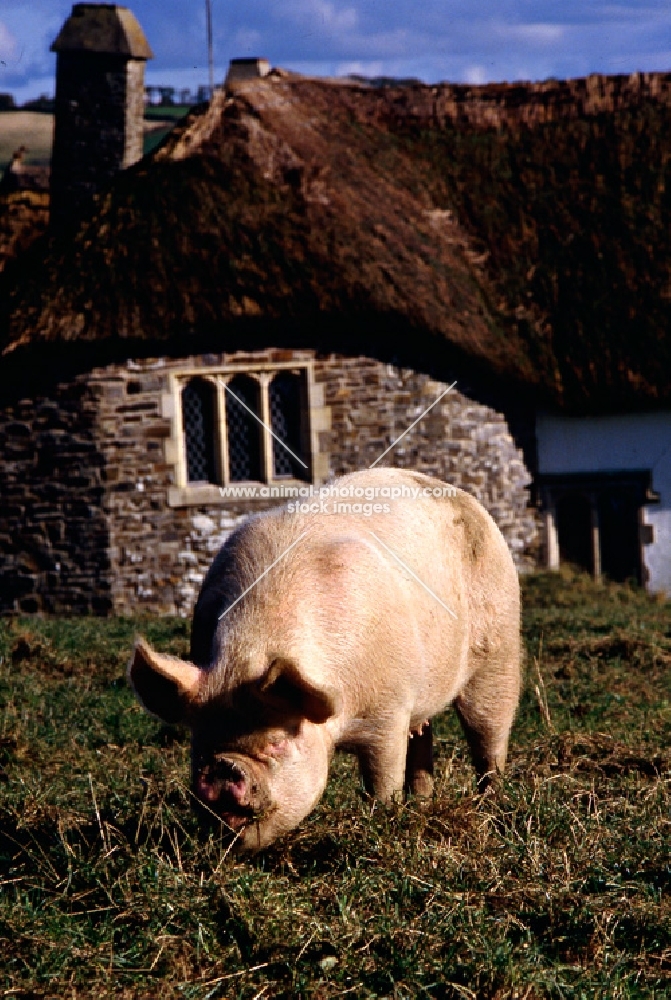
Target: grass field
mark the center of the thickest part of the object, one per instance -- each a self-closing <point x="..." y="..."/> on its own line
<point x="557" y="887"/>
<point x="159" y="112"/>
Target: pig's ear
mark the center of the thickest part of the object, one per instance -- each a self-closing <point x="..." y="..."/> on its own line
<point x="164" y="684"/>
<point x="285" y="687"/>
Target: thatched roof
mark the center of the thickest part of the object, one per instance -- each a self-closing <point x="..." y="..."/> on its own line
<point x="24" y="215"/>
<point x="538" y="250"/>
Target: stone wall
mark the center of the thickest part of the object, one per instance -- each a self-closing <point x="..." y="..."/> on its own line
<point x="459" y="440"/>
<point x="54" y="539"/>
<point x="84" y="513"/>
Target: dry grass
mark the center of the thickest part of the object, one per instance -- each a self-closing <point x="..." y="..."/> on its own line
<point x="558" y="886"/>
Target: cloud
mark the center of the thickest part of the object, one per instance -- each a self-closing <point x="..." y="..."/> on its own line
<point x="467" y="40"/>
<point x="475" y="74"/>
<point x="360" y="68"/>
<point x="7" y="43"/>
<point x="248" y="39"/>
<point x="534" y="34"/>
<point x="320" y="15"/>
<point x="32" y="33"/>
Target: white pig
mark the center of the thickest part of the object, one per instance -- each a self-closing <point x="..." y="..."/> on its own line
<point x="321" y="630"/>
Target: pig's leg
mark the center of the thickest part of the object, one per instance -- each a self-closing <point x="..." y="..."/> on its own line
<point x="419" y="762"/>
<point x="382" y="759"/>
<point x="486" y="708"/>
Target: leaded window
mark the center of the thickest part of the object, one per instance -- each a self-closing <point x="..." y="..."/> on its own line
<point x="243" y="429"/>
<point x="199" y="418"/>
<point x="245" y="426"/>
<point x="286" y="405"/>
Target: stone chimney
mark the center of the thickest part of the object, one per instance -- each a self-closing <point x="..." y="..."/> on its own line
<point x="246" y="69"/>
<point x="101" y="54"/>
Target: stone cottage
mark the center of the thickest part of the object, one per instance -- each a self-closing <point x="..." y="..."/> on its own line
<point x="283" y="292"/>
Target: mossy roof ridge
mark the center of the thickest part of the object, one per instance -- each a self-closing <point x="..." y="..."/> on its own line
<point x="540" y="250"/>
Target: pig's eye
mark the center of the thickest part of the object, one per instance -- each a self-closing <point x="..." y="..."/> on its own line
<point x="282" y="689"/>
<point x="275" y="749"/>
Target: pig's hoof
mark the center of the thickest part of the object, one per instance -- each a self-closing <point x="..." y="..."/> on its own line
<point x="421" y="785"/>
<point x="488" y="781"/>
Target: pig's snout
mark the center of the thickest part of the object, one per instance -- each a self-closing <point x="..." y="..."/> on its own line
<point x="231" y="790"/>
<point x="224" y="777"/>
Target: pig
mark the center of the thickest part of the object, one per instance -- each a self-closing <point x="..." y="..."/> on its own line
<point x="320" y="627"/>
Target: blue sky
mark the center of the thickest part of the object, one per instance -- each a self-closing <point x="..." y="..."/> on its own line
<point x="458" y="40"/>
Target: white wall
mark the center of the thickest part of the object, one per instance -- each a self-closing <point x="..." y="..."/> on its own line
<point x="640" y="441"/>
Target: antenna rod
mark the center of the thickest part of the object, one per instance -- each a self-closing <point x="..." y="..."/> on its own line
<point x="210" y="59"/>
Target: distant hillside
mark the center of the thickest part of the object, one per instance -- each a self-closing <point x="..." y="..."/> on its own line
<point x="29" y="128"/>
<point x="34" y="129"/>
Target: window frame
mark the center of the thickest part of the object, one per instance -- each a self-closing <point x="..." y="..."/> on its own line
<point x="185" y="493"/>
